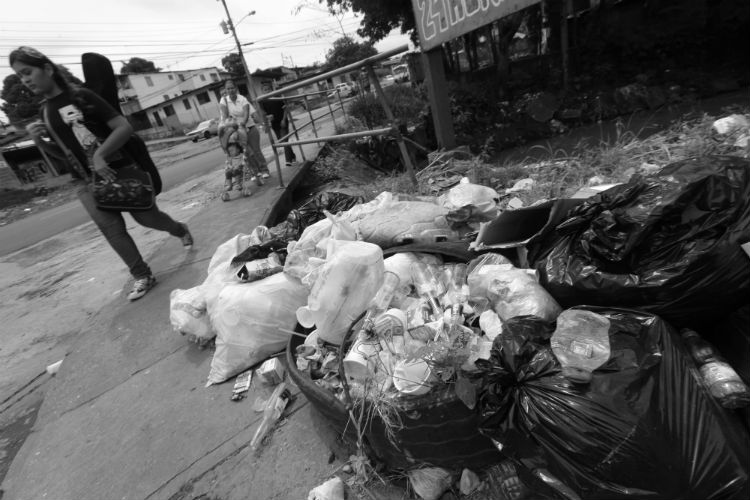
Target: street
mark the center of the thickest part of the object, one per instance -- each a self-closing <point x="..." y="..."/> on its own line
<point x="198" y="159"/>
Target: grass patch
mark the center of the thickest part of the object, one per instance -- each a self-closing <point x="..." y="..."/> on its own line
<point x="407" y="104"/>
<point x="563" y="172"/>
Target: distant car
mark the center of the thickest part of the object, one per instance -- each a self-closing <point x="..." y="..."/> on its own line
<point x="204" y="130"/>
<point x="344" y="89"/>
<point x="387" y="81"/>
<point x="401" y="73"/>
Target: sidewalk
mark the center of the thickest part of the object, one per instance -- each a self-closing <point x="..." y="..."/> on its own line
<point x="128" y="416"/>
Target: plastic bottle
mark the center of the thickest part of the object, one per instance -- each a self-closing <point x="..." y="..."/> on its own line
<point x="580" y="343"/>
<point x="272" y="411"/>
<point x="723" y="382"/>
<point x="379" y="304"/>
<point x="427" y="286"/>
<point x="459" y="292"/>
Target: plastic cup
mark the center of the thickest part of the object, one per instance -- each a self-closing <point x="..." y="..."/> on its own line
<point x="360" y="361"/>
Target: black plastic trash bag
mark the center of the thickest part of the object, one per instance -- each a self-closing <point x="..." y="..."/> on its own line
<point x="645" y="427"/>
<point x="668" y="244"/>
<point x="311" y="212"/>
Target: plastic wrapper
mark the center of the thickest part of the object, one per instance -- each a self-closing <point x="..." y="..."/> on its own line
<point x="253" y="321"/>
<point x="668" y="243"/>
<point x="515" y="292"/>
<point x="260" y="268"/>
<point x="188" y="314"/>
<point x="467" y="202"/>
<point x="345" y="284"/>
<point x="220" y="271"/>
<point x="311" y="212"/>
<point x="644" y="427"/>
<point x="388" y="222"/>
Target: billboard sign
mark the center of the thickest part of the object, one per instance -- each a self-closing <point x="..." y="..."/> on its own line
<point x="441" y="20"/>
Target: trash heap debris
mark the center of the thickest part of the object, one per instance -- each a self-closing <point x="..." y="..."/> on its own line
<point x="549" y="366"/>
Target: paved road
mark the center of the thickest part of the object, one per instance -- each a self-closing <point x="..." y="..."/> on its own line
<point x="46" y="224"/>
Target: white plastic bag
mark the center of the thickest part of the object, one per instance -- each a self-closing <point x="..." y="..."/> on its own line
<point x="388" y="222"/>
<point x="349" y="279"/>
<point x="516" y="292"/>
<point x="252" y="321"/>
<point x="482" y="198"/>
<point x="189" y="316"/>
<point x="333" y="489"/>
<point x="220" y="273"/>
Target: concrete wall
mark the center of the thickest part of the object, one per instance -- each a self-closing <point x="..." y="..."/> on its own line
<point x="168" y="83"/>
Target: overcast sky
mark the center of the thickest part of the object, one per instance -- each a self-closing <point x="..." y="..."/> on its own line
<point x="174" y="34"/>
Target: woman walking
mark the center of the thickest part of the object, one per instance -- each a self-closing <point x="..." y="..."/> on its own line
<point x="84" y="124"/>
<point x="236" y="111"/>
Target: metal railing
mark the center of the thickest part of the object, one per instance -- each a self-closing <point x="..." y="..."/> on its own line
<point x="278" y="144"/>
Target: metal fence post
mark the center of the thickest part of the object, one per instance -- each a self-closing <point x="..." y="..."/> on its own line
<point x="312" y="120"/>
<point x="290" y="120"/>
<point x="392" y="119"/>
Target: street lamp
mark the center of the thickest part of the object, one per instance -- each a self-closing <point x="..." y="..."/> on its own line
<point x="229" y="26"/>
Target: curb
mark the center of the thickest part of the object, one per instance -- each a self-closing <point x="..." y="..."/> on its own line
<point x="284" y="203"/>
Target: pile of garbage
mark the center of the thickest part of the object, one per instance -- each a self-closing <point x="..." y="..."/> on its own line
<point x="575" y="339"/>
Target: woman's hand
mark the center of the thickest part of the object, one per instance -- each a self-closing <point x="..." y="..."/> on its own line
<point x="102" y="169"/>
<point x="37" y="129"/>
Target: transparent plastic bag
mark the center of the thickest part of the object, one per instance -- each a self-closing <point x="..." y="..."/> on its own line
<point x="253" y="321"/>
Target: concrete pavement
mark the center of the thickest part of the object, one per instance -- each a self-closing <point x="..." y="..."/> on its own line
<point x="128" y="416"/>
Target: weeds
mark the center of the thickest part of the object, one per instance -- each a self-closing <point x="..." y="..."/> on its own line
<point x="406" y="103"/>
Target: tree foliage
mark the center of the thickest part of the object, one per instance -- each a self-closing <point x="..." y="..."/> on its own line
<point x="346" y="51"/>
<point x="138" y="65"/>
<point x="380" y="17"/>
<point x="233" y="64"/>
<point x="20" y="103"/>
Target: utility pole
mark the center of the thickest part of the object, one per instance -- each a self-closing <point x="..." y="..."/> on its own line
<point x="230" y="24"/>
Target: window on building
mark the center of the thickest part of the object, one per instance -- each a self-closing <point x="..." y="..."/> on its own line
<point x="166" y="97"/>
<point x="203" y="98"/>
<point x="158" y="119"/>
<point x="168" y="110"/>
<point x="170" y="76"/>
<point x="214" y="77"/>
<point x="186" y="103"/>
<point x="182" y="77"/>
<point x="203" y="77"/>
<point x="149" y="82"/>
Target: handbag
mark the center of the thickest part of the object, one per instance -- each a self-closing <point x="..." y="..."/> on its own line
<point x="131" y="190"/>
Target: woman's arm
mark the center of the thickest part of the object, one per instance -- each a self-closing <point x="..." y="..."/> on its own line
<point x="223" y="111"/>
<point x="37" y="130"/>
<point x="121" y="132"/>
<point x="245" y="115"/>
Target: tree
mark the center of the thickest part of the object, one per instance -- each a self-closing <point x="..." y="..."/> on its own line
<point x="346" y="51"/>
<point x="233" y="64"/>
<point x="138" y="65"/>
<point x="20" y="103"/>
<point x="380" y="17"/>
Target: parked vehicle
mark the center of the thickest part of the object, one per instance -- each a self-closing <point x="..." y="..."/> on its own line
<point x="344" y="89"/>
<point x="204" y="130"/>
<point x="387" y="81"/>
<point x="401" y="73"/>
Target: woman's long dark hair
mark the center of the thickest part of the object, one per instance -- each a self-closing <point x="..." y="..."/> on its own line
<point x="32" y="57"/>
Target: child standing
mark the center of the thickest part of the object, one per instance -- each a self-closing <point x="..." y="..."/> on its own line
<point x="237" y="174"/>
